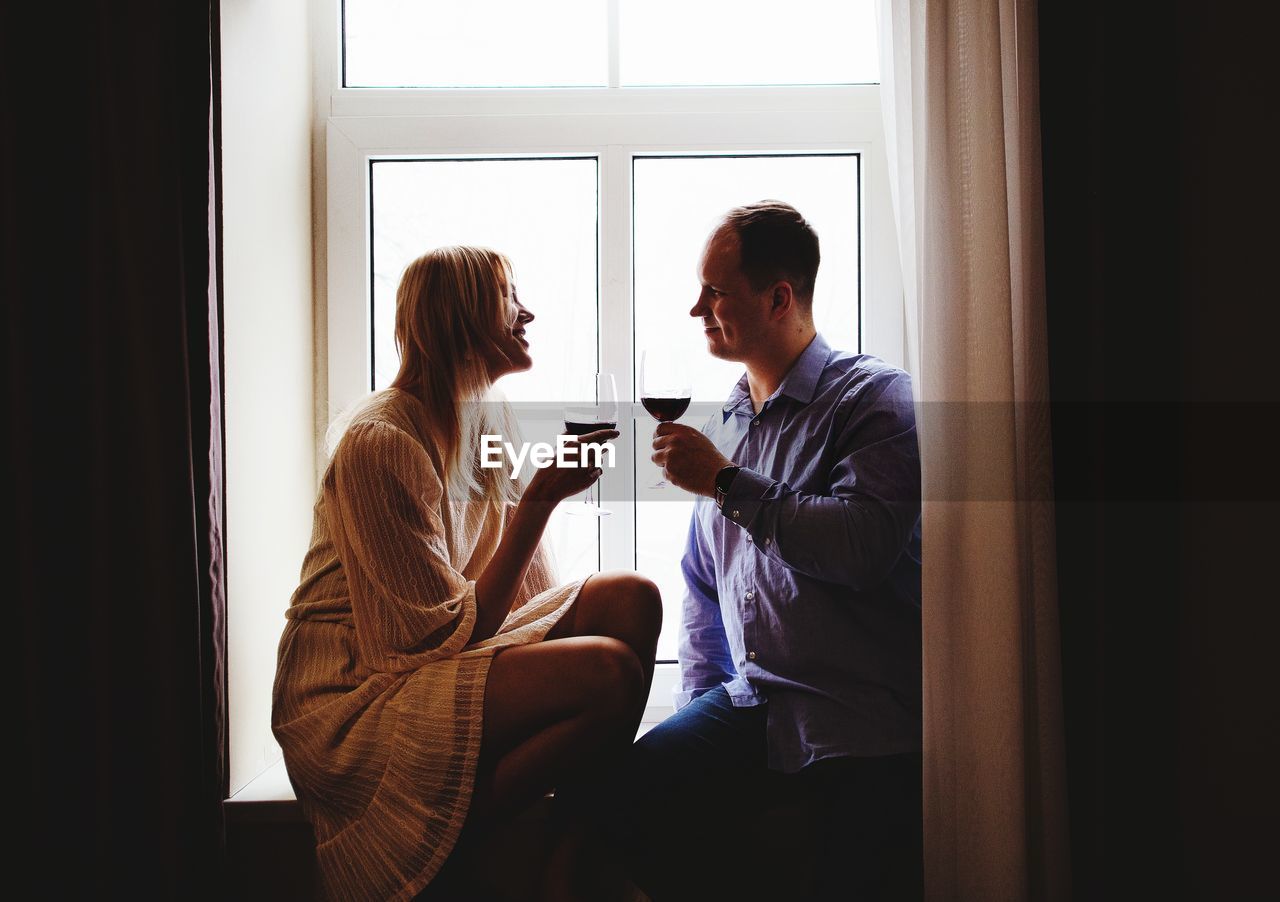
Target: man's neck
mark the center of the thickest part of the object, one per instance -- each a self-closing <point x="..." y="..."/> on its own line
<point x="765" y="374"/>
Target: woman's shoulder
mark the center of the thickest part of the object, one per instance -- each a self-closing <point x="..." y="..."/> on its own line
<point x="378" y="460"/>
<point x="384" y="424"/>
<point x="389" y="409"/>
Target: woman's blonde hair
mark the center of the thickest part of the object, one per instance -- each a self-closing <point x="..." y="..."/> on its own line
<point x="450" y="305"/>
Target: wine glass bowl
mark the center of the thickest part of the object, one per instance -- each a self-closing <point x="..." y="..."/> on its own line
<point x="587" y="417"/>
<point x="665" y="388"/>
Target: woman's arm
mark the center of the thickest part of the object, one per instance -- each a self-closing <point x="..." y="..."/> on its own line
<point x="497" y="586"/>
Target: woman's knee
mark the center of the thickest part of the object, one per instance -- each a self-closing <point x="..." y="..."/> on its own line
<point x="642" y="597"/>
<point x="633" y="596"/>
<point x="615" y="672"/>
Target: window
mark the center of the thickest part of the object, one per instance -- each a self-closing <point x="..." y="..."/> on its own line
<point x="541" y="212"/>
<point x="599" y="43"/>
<point x="494" y="44"/>
<point x="551" y="137"/>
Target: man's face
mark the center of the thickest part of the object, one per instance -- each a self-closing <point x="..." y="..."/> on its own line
<point x="735" y="318"/>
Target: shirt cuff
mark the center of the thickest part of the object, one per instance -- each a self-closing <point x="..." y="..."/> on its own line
<point x="682" y="697"/>
<point x="745" y="494"/>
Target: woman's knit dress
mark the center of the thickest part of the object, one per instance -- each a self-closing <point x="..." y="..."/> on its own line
<point x="378" y="694"/>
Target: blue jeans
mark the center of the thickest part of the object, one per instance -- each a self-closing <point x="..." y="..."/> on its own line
<point x="693" y="812"/>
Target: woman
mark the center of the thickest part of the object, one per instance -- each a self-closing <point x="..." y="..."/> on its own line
<point x="430" y="673"/>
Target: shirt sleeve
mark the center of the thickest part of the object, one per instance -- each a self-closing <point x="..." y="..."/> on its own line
<point x="853" y="534"/>
<point x="705" y="661"/>
<point x="384" y="498"/>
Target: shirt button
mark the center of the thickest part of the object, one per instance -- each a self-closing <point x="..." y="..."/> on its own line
<point x="734" y="515"/>
<point x="749" y="537"/>
<point x="750" y="595"/>
<point x="751" y="656"/>
<point x="768" y="541"/>
<point x="755" y="422"/>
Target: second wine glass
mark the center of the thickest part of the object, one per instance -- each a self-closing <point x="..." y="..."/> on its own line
<point x="580" y="419"/>
<point x="665" y="388"/>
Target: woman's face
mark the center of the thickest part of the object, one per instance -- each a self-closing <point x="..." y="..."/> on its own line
<point x="510" y="351"/>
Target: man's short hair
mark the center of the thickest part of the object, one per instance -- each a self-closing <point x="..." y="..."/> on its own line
<point x="776" y="242"/>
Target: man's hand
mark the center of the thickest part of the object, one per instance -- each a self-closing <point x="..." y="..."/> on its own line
<point x="688" y="458"/>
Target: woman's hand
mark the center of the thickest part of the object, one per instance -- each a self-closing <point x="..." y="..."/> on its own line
<point x="553" y="484"/>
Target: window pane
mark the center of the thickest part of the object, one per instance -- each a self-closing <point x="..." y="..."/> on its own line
<point x="748" y="42"/>
<point x="498" y="43"/>
<point x="541" y="213"/>
<point x="677" y="202"/>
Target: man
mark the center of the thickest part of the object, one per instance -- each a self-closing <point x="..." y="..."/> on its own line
<point x="800" y="642"/>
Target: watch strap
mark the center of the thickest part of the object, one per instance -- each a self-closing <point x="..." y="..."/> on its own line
<point x="724" y="479"/>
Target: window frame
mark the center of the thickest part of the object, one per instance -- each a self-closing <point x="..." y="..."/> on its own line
<point x="613" y="124"/>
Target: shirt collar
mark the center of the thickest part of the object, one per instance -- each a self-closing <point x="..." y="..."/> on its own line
<point x="800" y="382"/>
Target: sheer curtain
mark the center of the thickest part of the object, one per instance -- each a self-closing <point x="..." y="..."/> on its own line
<point x="960" y="100"/>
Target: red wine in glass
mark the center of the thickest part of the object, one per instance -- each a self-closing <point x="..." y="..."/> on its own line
<point x="665" y="389"/>
<point x="581" y="429"/>
<point x="664" y="410"/>
<point x="581" y="419"/>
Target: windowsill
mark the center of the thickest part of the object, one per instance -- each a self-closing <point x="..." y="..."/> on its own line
<point x="269" y="797"/>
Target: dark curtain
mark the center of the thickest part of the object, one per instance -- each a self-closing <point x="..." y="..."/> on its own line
<point x="1160" y="196"/>
<point x="112" y="467"/>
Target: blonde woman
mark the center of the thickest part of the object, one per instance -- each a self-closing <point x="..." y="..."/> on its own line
<point x="430" y="673"/>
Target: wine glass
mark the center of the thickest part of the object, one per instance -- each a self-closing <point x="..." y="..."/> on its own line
<point x="665" y="388"/>
<point x="579" y="419"/>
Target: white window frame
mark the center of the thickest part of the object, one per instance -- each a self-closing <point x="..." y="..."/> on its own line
<point x="613" y="124"/>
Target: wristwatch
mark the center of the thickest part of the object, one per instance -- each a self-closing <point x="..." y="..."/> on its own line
<point x="724" y="479"/>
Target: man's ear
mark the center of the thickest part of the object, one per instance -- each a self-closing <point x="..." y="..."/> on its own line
<point x="782" y="299"/>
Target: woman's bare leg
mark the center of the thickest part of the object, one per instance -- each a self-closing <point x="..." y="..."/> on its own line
<point x="549" y="709"/>
<point x="574" y="688"/>
<point x="621" y="605"/>
<point x="626" y="607"/>
<point x="555" y="708"/>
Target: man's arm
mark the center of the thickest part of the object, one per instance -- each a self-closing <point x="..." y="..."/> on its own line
<point x="705" y="661"/>
<point x="853" y="534"/>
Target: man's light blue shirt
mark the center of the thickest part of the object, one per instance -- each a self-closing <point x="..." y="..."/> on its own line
<point x="803" y="591"/>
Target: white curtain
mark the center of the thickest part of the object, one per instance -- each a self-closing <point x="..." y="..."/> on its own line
<point x="960" y="97"/>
